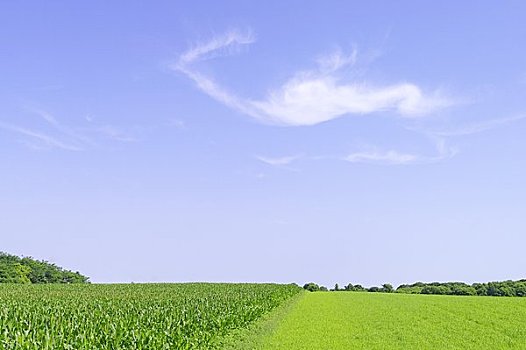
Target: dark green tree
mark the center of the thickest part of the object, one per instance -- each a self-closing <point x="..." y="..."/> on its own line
<point x="28" y="270"/>
<point x="387" y="288"/>
<point x="311" y="287"/>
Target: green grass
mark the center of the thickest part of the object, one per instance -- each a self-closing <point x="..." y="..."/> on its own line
<point x="132" y="316"/>
<point x="347" y="320"/>
<point x="258" y="333"/>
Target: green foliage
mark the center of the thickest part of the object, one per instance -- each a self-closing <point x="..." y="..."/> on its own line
<point x="354" y="288"/>
<point x="14" y="272"/>
<point x="311" y="287"/>
<point x="438" y="290"/>
<point x="27" y="270"/>
<point x="410" y="290"/>
<point x="138" y="316"/>
<point x="387" y="288"/>
<point x="501" y="289"/>
<point x="506" y="288"/>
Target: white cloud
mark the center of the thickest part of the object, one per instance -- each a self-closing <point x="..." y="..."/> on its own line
<point x="311" y="97"/>
<point x="107" y="131"/>
<point x="389" y="157"/>
<point x="114" y="133"/>
<point x="45" y="139"/>
<point x="278" y="160"/>
<point x="393" y="157"/>
<point x="223" y="44"/>
<point x="63" y="137"/>
<point x="313" y="100"/>
<point x="478" y="127"/>
<point x="375" y="156"/>
<point x="337" y="60"/>
<point x="66" y="131"/>
<point x="177" y="123"/>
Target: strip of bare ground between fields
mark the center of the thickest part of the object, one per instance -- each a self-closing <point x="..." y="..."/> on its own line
<point x="257" y="334"/>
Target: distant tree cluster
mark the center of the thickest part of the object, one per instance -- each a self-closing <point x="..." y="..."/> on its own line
<point x="504" y="289"/>
<point x="497" y="289"/>
<point x="313" y="287"/>
<point x="14" y="269"/>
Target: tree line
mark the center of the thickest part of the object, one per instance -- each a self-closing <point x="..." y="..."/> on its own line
<point x="14" y="269"/>
<point x="500" y="289"/>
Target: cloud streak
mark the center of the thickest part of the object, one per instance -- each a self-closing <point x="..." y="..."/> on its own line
<point x="59" y="136"/>
<point x="444" y="152"/>
<point x="47" y="140"/>
<point x="476" y="128"/>
<point x="277" y="161"/>
<point x="66" y="131"/>
<point x="393" y="157"/>
<point x="309" y="97"/>
<point x="323" y="94"/>
<point x="389" y="157"/>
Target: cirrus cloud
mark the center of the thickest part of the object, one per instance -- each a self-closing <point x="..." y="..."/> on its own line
<point x="311" y="97"/>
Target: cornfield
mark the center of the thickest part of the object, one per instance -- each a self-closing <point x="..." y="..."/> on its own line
<point x="130" y="316"/>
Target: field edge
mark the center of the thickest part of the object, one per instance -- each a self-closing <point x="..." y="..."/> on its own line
<point x="255" y="335"/>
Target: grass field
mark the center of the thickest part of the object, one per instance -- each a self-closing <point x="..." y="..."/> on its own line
<point x="133" y="316"/>
<point x="347" y="320"/>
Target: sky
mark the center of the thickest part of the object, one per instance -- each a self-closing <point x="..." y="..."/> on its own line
<point x="265" y="141"/>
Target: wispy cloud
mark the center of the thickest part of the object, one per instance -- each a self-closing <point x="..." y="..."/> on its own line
<point x="389" y="157"/>
<point x="278" y="161"/>
<point x="374" y="155"/>
<point x="45" y="139"/>
<point x="309" y="97"/>
<point x="477" y="127"/>
<point x="313" y="100"/>
<point x="337" y="60"/>
<point x="113" y="133"/>
<point x="63" y="129"/>
<point x="177" y="123"/>
<point x="325" y="93"/>
<point x="218" y="45"/>
<point x="393" y="157"/>
<point x="55" y="134"/>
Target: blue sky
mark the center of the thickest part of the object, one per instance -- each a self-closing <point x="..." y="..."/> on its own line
<point x="265" y="141"/>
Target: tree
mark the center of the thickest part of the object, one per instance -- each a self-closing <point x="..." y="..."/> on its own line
<point x="311" y="287"/>
<point x="480" y="288"/>
<point x="387" y="288"/>
<point x="432" y="289"/>
<point x="463" y="290"/>
<point x="27" y="270"/>
<point x="520" y="289"/>
<point x="359" y="288"/>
